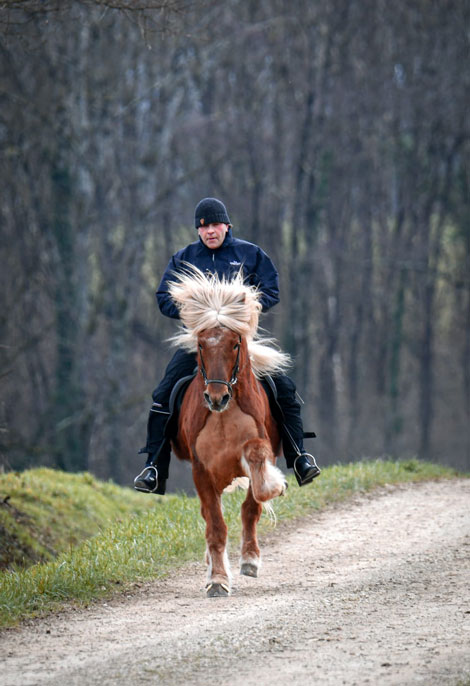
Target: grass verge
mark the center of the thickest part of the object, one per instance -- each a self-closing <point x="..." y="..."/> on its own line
<point x="44" y="512"/>
<point x="145" y="545"/>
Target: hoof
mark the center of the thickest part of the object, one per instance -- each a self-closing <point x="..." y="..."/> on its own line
<point x="249" y="569"/>
<point x="217" y="591"/>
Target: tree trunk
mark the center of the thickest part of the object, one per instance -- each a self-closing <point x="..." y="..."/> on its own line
<point x="70" y="446"/>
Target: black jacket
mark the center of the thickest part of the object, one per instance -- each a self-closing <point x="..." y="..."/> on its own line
<point x="234" y="253"/>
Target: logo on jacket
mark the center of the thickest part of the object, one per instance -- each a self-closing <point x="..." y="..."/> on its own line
<point x="235" y="263"/>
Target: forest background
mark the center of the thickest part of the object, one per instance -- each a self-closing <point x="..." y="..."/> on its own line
<point x="337" y="134"/>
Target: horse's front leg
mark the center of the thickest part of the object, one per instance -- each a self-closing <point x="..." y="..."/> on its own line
<point x="250" y="560"/>
<point x="267" y="481"/>
<point x="218" y="568"/>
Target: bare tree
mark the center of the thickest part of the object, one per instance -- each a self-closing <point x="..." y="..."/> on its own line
<point x="337" y="135"/>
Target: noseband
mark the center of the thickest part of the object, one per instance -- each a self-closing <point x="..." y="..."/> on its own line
<point x="235" y="371"/>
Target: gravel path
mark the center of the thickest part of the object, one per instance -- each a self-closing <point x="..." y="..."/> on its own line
<point x="374" y="591"/>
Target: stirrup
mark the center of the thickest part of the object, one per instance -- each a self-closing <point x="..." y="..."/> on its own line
<point x="309" y="473"/>
<point x="140" y="483"/>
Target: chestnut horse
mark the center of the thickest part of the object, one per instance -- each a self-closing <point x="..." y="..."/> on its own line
<point x="225" y="426"/>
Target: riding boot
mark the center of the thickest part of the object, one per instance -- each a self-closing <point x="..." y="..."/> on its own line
<point x="152" y="479"/>
<point x="304" y="465"/>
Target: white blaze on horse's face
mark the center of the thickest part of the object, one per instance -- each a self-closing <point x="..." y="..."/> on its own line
<point x="215" y="339"/>
<point x="218" y="361"/>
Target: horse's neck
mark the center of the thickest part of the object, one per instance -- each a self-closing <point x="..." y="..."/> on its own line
<point x="247" y="384"/>
<point x="246" y="375"/>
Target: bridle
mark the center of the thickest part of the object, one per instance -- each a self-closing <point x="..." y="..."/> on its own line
<point x="235" y="370"/>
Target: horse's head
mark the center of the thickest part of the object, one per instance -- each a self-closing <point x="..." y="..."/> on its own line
<point x="219" y="351"/>
<point x="217" y="314"/>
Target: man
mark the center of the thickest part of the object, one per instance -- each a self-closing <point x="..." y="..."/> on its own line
<point x="219" y="252"/>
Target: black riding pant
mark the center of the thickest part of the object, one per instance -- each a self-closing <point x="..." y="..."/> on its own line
<point x="182" y="364"/>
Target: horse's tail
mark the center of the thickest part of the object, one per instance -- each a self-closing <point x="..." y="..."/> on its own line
<point x="267" y="481"/>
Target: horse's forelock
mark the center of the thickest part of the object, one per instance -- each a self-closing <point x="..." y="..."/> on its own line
<point x="205" y="301"/>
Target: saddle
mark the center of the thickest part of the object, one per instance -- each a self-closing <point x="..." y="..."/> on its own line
<point x="179" y="389"/>
<point x="270" y="389"/>
<point x="176" y="400"/>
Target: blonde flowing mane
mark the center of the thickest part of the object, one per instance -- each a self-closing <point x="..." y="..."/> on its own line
<point x="206" y="300"/>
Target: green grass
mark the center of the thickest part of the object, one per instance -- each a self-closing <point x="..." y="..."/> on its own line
<point x="45" y="511"/>
<point x="165" y="533"/>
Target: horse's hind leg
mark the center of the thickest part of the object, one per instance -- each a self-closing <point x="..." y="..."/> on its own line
<point x="250" y="560"/>
<point x="218" y="569"/>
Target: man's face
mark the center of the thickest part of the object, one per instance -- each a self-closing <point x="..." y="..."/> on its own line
<point x="213" y="235"/>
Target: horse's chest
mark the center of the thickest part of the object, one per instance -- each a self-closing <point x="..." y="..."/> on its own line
<point x="224" y="435"/>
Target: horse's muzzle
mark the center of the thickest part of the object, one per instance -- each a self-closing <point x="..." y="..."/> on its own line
<point x="215" y="403"/>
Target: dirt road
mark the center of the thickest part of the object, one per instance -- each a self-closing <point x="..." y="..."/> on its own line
<point x="375" y="591"/>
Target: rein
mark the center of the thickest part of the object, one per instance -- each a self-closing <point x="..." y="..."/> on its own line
<point x="235" y="371"/>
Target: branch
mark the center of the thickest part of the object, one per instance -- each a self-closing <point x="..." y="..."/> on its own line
<point x="39" y="6"/>
<point x="15" y="14"/>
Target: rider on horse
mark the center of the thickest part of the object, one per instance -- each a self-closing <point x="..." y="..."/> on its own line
<point x="217" y="251"/>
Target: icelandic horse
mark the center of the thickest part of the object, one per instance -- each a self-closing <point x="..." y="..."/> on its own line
<point x="225" y="426"/>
